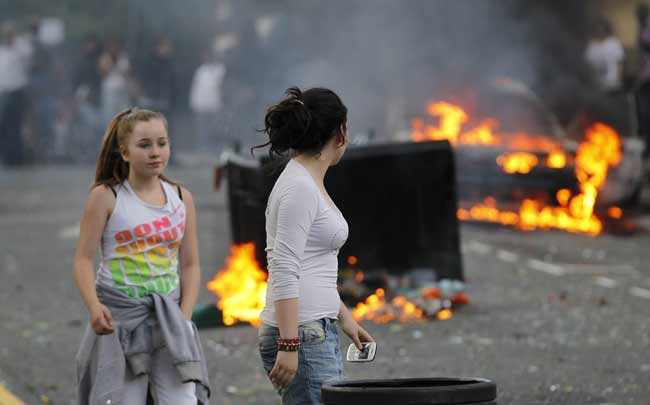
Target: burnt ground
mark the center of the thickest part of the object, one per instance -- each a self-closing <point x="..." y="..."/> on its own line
<point x="555" y="318"/>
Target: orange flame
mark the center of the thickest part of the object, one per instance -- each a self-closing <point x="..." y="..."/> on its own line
<point x="615" y="212"/>
<point x="517" y="162"/>
<point x="241" y="286"/>
<point x="556" y="160"/>
<point x="600" y="150"/>
<point x="563" y="196"/>
<point x="481" y="135"/>
<point x="376" y="309"/>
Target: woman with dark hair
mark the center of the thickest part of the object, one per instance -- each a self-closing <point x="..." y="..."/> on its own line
<point x="298" y="340"/>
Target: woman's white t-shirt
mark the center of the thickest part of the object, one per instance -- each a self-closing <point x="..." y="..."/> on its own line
<point x="303" y="237"/>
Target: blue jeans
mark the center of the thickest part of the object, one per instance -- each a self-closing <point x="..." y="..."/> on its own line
<point x="319" y="359"/>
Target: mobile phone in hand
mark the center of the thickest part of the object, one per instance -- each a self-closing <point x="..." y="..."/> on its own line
<point x="367" y="354"/>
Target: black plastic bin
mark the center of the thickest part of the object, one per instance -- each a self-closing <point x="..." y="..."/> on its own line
<point x="399" y="200"/>
<point x="411" y="391"/>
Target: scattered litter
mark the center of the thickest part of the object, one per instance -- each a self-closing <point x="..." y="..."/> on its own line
<point x="395" y="327"/>
<point x="42" y="326"/>
<point x="484" y="341"/>
<point x="218" y="348"/>
<point x="456" y="340"/>
<point x="42" y="340"/>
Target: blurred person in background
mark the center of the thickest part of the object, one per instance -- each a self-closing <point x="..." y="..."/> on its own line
<point x="80" y="129"/>
<point x="206" y="102"/>
<point x="159" y="77"/>
<point x="86" y="76"/>
<point x="642" y="85"/>
<point x="114" y="69"/>
<point x="15" y="60"/>
<point x="49" y="86"/>
<point x="159" y="80"/>
<point x="605" y="55"/>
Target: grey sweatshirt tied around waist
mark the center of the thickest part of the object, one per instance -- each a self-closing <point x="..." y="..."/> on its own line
<point x="102" y="360"/>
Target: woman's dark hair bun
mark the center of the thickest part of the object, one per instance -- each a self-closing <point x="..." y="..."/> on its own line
<point x="303" y="121"/>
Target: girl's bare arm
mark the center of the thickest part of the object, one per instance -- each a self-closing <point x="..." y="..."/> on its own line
<point x="189" y="258"/>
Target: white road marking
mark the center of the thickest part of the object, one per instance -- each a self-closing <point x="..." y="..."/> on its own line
<point x="619" y="269"/>
<point x="606" y="282"/>
<point x="479" y="247"/>
<point x="507" y="256"/>
<point x="549" y="268"/>
<point x="640" y="292"/>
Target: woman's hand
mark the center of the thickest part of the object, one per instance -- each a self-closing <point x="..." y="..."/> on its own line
<point x="286" y="365"/>
<point x="355" y="332"/>
<point x="101" y="320"/>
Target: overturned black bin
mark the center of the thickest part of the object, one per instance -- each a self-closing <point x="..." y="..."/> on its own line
<point x="399" y="199"/>
<point x="411" y="391"/>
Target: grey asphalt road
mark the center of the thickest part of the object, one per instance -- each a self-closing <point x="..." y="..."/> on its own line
<point x="555" y="318"/>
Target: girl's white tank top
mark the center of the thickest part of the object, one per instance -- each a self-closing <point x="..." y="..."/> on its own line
<point x="140" y="243"/>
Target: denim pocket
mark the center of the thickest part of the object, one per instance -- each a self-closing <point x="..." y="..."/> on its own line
<point x="312" y="333"/>
<point x="268" y="348"/>
<point x="267" y="343"/>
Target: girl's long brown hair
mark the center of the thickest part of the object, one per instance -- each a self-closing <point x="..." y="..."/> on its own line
<point x="111" y="169"/>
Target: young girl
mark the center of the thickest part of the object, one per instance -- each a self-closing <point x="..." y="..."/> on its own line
<point x="140" y="339"/>
<point x="298" y="340"/>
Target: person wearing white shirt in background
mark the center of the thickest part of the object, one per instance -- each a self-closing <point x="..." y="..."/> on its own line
<point x="642" y="84"/>
<point x="114" y="68"/>
<point x="605" y="55"/>
<point x="205" y="100"/>
<point x="15" y="59"/>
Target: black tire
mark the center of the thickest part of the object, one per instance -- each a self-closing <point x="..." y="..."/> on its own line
<point x="411" y="391"/>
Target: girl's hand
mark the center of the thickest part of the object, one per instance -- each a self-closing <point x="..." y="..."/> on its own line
<point x="101" y="320"/>
<point x="286" y="365"/>
<point x="355" y="332"/>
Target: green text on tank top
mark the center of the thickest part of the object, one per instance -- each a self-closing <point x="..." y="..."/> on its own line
<point x="157" y="278"/>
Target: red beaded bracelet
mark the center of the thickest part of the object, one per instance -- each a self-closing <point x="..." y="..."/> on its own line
<point x="288" y="345"/>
